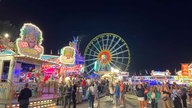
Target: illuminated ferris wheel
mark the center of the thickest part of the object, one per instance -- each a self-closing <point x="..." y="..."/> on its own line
<point x="107" y="51"/>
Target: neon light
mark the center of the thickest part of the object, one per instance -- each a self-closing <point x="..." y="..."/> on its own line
<point x="30" y="41"/>
<point x="67" y="55"/>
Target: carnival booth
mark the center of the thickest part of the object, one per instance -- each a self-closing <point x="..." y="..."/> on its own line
<point x="184" y="76"/>
<point x="70" y="60"/>
<point x="24" y="65"/>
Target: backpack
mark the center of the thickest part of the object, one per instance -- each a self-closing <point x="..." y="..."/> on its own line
<point x="146" y="91"/>
<point x="68" y="90"/>
<point x="139" y="93"/>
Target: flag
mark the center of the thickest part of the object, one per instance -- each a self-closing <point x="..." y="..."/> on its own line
<point x="175" y="71"/>
<point x="51" y="52"/>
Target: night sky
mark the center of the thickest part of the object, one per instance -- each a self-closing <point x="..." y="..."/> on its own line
<point x="158" y="32"/>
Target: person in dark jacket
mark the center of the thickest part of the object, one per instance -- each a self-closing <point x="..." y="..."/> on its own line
<point x="68" y="93"/>
<point x="24" y="96"/>
<point x="140" y="95"/>
<point x="74" y="90"/>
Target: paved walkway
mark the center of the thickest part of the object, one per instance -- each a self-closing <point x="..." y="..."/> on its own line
<point x="131" y="102"/>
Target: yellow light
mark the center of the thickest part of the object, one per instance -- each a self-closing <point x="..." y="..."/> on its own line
<point x="6" y="35"/>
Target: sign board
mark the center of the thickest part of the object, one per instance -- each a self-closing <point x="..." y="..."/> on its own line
<point x="30" y="41"/>
<point x="160" y="73"/>
<point x="184" y="69"/>
<point x="67" y="55"/>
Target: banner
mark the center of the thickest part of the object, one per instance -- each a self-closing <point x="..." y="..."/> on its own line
<point x="184" y="69"/>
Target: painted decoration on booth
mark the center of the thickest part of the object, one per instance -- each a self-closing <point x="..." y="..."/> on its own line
<point x="30" y="41"/>
<point x="184" y="69"/>
<point x="67" y="55"/>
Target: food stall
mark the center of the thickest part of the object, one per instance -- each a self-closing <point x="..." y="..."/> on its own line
<point x="184" y="76"/>
<point x="24" y="66"/>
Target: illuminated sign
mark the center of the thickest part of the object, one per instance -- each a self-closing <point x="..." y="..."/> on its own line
<point x="67" y="55"/>
<point x="184" y="69"/>
<point x="160" y="73"/>
<point x="30" y="41"/>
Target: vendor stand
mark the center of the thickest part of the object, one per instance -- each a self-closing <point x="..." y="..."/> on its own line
<point x="184" y="76"/>
<point x="23" y="66"/>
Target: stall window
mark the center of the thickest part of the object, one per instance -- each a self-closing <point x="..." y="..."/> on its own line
<point x="27" y="73"/>
<point x="5" y="71"/>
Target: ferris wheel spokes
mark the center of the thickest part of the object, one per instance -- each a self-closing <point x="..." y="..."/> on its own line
<point x="91" y="59"/>
<point x="105" y="51"/>
<point x="96" y="47"/>
<point x="99" y="44"/>
<point x="90" y="64"/>
<point x="93" y="51"/>
<point x="114" y="46"/>
<point x="118" y="48"/>
<point x="103" y="43"/>
<point x="90" y="70"/>
<point x="111" y="43"/>
<point x="120" y="52"/>
<point x="121" y="57"/>
<point x="107" y="41"/>
<point x="119" y="62"/>
<point x="91" y="55"/>
<point x="114" y="65"/>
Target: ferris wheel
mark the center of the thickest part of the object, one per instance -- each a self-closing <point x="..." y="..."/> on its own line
<point x="107" y="51"/>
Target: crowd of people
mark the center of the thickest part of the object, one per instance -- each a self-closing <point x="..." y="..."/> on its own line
<point x="172" y="95"/>
<point x="73" y="91"/>
<point x="76" y="90"/>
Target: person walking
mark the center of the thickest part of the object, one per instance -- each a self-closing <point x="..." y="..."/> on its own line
<point x="83" y="84"/>
<point x="68" y="92"/>
<point x="24" y="96"/>
<point x="153" y="96"/>
<point x="91" y="96"/>
<point x="97" y="101"/>
<point x="62" y="93"/>
<point x="79" y="93"/>
<point x="190" y="94"/>
<point x="116" y="94"/>
<point x="111" y="91"/>
<point x="176" y="97"/>
<point x="74" y="91"/>
<point x="140" y="95"/>
<point x="184" y="96"/>
<point x="122" y="92"/>
<point x="166" y="96"/>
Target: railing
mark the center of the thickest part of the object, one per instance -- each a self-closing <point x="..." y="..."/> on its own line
<point x="6" y="92"/>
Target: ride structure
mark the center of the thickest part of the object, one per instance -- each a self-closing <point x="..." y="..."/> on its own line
<point x="105" y="52"/>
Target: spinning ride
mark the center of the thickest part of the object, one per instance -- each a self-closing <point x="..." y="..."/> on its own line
<point x="107" y="51"/>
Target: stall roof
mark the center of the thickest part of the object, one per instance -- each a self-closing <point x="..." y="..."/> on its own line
<point x="48" y="57"/>
<point x="33" y="59"/>
<point x="6" y="52"/>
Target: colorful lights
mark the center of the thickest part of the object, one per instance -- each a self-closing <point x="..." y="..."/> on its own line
<point x="104" y="56"/>
<point x="67" y="55"/>
<point x="30" y="41"/>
